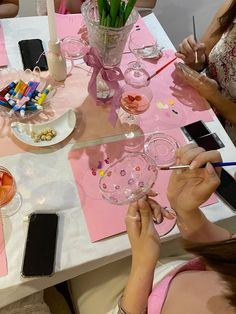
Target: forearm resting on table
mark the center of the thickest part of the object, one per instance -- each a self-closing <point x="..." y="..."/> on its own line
<point x="194" y="226"/>
<point x="225" y="106"/>
<point x="137" y="290"/>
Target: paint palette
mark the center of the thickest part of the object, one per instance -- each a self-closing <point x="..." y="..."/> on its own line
<point x="128" y="179"/>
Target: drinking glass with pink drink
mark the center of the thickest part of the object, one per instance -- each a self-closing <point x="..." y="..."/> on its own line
<point x="134" y="101"/>
<point x="10" y="200"/>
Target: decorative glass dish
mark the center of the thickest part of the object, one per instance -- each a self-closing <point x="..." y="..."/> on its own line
<point x="162" y="148"/>
<point x="21" y="103"/>
<point x="128" y="179"/>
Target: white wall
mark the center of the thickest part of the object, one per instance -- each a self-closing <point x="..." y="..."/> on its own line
<point x="174" y="15"/>
<point x="27" y="7"/>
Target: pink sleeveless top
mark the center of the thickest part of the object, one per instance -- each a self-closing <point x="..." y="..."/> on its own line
<point x="62" y="8"/>
<point x="158" y="295"/>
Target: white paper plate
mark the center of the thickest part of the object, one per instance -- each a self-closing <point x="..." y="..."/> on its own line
<point x="63" y="125"/>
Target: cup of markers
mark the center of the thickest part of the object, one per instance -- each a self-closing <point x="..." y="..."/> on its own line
<point x="22" y="98"/>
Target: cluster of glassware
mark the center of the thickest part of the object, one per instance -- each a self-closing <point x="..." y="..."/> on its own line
<point x="133" y="176"/>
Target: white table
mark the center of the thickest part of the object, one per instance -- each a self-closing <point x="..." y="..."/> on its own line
<point x="41" y="188"/>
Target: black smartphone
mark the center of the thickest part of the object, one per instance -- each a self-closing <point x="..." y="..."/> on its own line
<point x="32" y="54"/>
<point x="40" y="245"/>
<point x="209" y="142"/>
<point x="227" y="189"/>
<point x="195" y="130"/>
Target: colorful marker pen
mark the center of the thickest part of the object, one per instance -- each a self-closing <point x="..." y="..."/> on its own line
<point x="44" y="94"/>
<point x="6" y="89"/>
<point x="32" y="106"/>
<point x="18" y="85"/>
<point x="21" y="91"/>
<point x="30" y="84"/>
<point x="5" y="104"/>
<point x="31" y="88"/>
<point x="22" y="111"/>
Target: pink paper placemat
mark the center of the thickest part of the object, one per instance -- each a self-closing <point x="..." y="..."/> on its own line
<point x="3" y="259"/>
<point x="3" y="52"/>
<point x="174" y="103"/>
<point x="104" y="219"/>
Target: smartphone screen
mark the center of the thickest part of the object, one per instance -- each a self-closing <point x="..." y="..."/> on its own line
<point x="40" y="245"/>
<point x="195" y="130"/>
<point x="209" y="142"/>
<point x="32" y="54"/>
<point x="227" y="189"/>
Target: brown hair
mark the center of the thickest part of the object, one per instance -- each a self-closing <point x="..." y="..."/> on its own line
<point x="221" y="257"/>
<point x="226" y="19"/>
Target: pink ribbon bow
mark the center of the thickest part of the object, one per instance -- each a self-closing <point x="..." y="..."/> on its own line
<point x="111" y="76"/>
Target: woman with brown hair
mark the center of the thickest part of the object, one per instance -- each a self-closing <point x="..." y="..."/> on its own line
<point x="206" y="284"/>
<point x="216" y="52"/>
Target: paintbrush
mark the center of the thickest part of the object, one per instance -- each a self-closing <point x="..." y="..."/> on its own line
<point x="161" y="68"/>
<point x="195" y="38"/>
<point x="214" y="164"/>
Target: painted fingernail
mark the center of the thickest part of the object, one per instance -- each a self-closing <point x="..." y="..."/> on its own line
<point x="193" y="165"/>
<point x="159" y="219"/>
<point x="210" y="169"/>
<point x="154" y="220"/>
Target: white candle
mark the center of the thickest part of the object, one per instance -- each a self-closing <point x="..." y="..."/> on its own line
<point x="51" y="20"/>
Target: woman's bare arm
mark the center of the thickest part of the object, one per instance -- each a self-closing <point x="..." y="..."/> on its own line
<point x="208" y="38"/>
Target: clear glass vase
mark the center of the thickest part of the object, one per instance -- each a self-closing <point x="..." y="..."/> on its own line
<point x="109" y="41"/>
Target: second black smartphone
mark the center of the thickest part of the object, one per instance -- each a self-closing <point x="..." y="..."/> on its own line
<point x="40" y="245"/>
<point x="210" y="142"/>
<point x="227" y="189"/>
<point x="195" y="130"/>
<point x="32" y="54"/>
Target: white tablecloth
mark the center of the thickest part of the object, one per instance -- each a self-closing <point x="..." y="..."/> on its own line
<point x="45" y="181"/>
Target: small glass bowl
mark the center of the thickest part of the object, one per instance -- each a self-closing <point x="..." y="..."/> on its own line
<point x="162" y="148"/>
<point x="73" y="47"/>
<point x="128" y="179"/>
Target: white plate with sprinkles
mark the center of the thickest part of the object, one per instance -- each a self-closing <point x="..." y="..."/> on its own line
<point x="45" y="134"/>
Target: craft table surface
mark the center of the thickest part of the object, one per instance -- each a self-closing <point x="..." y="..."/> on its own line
<point x="45" y="179"/>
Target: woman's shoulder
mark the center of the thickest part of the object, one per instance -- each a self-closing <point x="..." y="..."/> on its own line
<point x="197" y="292"/>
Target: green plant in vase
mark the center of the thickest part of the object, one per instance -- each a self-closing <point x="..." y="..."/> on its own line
<point x="109" y="24"/>
<point x="114" y="13"/>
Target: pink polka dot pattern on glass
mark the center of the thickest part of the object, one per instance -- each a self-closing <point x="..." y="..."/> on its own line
<point x="130" y="179"/>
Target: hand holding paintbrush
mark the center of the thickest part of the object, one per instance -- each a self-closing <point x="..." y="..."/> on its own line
<point x="192" y="51"/>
